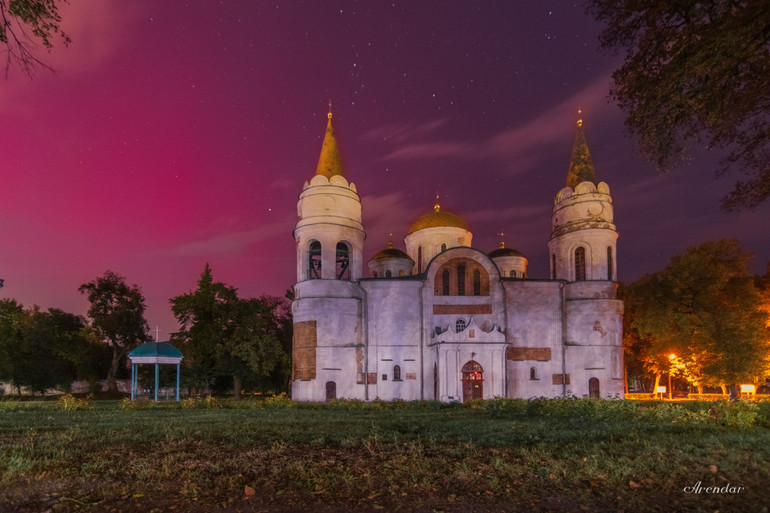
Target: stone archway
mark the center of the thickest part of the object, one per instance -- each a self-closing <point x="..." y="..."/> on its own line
<point x="473" y="381"/>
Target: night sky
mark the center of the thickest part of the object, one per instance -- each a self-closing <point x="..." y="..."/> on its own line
<point x="179" y="133"/>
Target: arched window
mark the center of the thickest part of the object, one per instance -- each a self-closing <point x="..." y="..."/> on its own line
<point x="343" y="261"/>
<point x="388" y="273"/>
<point x="532" y="374"/>
<point x="512" y="274"/>
<point x="443" y="247"/>
<point x="553" y="267"/>
<point x="396" y="373"/>
<point x="445" y="283"/>
<point x="476" y="283"/>
<point x="580" y="264"/>
<point x="314" y="261"/>
<point x="460" y="325"/>
<point x="461" y="280"/>
<point x="610" y="266"/>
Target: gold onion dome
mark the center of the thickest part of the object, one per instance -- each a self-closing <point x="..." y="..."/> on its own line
<point x="391" y="252"/>
<point x="502" y="251"/>
<point x="438" y="218"/>
<point x="505" y="252"/>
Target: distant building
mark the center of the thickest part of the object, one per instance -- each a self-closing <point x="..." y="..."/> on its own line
<point x="444" y="320"/>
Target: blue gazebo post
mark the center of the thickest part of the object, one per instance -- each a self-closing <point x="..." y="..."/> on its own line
<point x="157" y="379"/>
<point x="156" y="353"/>
<point x="177" y="381"/>
<point x="133" y="379"/>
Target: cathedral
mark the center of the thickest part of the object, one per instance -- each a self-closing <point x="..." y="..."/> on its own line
<point x="442" y="320"/>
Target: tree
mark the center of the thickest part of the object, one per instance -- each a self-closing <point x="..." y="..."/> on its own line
<point x="117" y="317"/>
<point x="42" y="350"/>
<point x="695" y="72"/>
<point x="206" y="319"/>
<point x="12" y="319"/>
<point x="704" y="308"/>
<point x="23" y="25"/>
<point x="224" y="335"/>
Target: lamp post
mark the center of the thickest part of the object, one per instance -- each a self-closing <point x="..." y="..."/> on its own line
<point x="670" y="363"/>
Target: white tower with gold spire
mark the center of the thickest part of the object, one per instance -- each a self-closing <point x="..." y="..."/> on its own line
<point x="583" y="237"/>
<point x="327" y="305"/>
<point x="582" y="250"/>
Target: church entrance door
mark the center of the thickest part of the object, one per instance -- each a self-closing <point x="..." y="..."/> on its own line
<point x="331" y="390"/>
<point x="593" y="388"/>
<point x="473" y="381"/>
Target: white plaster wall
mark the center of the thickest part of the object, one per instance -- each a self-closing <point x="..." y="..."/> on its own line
<point x="534" y="319"/>
<point x="506" y="264"/>
<point x="583" y="217"/>
<point x="329" y="211"/>
<point x="398" y="267"/>
<point x="431" y="240"/>
<point x="394" y="337"/>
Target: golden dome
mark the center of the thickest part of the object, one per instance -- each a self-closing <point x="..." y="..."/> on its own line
<point x="391" y="253"/>
<point x="437" y="218"/>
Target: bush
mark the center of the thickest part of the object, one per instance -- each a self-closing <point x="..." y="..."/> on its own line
<point x="279" y="401"/>
<point x="737" y="414"/>
<point x="69" y="402"/>
<point x="204" y="403"/>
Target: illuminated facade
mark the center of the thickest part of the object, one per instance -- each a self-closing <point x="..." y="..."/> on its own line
<point x="443" y="320"/>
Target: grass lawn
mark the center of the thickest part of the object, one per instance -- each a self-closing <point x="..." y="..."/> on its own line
<point x="562" y="455"/>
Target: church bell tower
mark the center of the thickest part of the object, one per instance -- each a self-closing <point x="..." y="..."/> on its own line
<point x="583" y="237"/>
<point x="327" y="306"/>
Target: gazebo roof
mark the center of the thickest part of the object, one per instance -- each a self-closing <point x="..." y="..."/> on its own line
<point x="155" y="352"/>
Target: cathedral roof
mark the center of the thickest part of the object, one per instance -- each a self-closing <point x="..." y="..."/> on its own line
<point x="329" y="163"/>
<point x="581" y="169"/>
<point x="391" y="253"/>
<point x="437" y="218"/>
<point x="505" y="252"/>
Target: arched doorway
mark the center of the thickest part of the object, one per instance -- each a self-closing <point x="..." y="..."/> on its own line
<point x="593" y="387"/>
<point x="473" y="381"/>
<point x="331" y="390"/>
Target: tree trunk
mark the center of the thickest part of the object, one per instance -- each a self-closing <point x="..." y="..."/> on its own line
<point x="625" y="377"/>
<point x="112" y="381"/>
<point x="237" y="383"/>
<point x="657" y="383"/>
<point x="700" y="388"/>
<point x="735" y="392"/>
<point x="724" y="389"/>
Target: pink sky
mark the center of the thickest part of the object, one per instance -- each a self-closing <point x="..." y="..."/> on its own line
<point x="175" y="134"/>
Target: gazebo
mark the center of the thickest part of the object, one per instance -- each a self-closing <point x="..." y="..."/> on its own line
<point x="157" y="353"/>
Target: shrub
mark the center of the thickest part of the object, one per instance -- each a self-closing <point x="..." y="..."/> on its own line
<point x="737" y="414"/>
<point x="69" y="402"/>
<point x="204" y="403"/>
<point x="279" y="401"/>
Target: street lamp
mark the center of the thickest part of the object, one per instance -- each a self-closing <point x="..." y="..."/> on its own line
<point x="670" y="363"/>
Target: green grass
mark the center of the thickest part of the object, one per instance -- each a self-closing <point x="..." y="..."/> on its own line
<point x="504" y="455"/>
